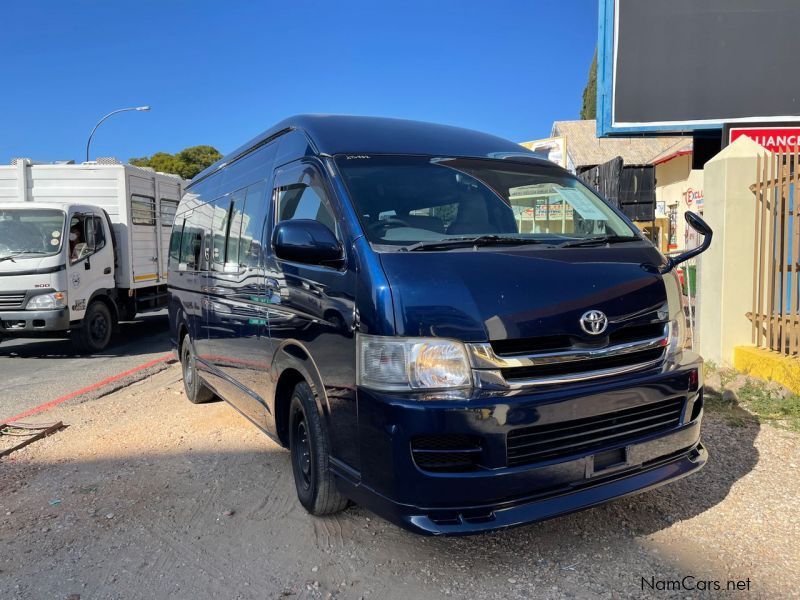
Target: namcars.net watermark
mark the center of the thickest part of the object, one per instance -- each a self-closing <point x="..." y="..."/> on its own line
<point x="690" y="583"/>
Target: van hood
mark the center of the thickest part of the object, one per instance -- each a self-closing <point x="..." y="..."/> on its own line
<point x="505" y="294"/>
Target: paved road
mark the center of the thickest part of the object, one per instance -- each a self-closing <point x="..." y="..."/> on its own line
<point x="33" y="372"/>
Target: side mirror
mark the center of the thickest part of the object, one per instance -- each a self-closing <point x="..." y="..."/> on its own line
<point x="695" y="222"/>
<point x="306" y="241"/>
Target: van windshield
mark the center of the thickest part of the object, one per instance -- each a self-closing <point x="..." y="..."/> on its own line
<point x="403" y="200"/>
<point x="29" y="231"/>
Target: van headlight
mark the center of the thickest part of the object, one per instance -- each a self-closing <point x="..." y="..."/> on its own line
<point x="677" y="337"/>
<point x="50" y="301"/>
<point x="405" y="364"/>
<point x="677" y="318"/>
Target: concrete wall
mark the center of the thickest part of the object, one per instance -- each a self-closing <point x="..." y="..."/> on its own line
<point x="725" y="270"/>
<point x="695" y="181"/>
<point x="673" y="178"/>
<point x="669" y="177"/>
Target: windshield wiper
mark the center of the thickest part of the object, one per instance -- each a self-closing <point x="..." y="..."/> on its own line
<point x="463" y="242"/>
<point x="11" y="257"/>
<point x="599" y="241"/>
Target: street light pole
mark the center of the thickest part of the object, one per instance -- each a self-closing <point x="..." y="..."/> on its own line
<point x="113" y="112"/>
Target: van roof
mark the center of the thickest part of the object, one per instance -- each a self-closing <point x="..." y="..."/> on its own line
<point x="342" y="134"/>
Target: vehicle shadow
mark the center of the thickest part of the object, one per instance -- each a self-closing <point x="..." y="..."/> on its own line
<point x="145" y="335"/>
<point x="181" y="497"/>
<point x="624" y="529"/>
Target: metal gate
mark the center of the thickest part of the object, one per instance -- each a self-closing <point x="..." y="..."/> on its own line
<point x="775" y="313"/>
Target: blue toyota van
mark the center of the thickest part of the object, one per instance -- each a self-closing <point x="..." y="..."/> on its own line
<point x="438" y="325"/>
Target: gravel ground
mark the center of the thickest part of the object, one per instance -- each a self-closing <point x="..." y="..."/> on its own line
<point x="147" y="496"/>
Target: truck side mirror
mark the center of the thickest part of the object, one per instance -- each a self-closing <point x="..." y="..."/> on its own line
<point x="306" y="241"/>
<point x="695" y="222"/>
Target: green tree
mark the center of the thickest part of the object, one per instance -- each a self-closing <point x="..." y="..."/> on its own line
<point x="187" y="163"/>
<point x="589" y="107"/>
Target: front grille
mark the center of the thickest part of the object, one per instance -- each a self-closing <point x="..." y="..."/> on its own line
<point x="547" y="343"/>
<point x="634" y="333"/>
<point x="555" y="343"/>
<point x="444" y="453"/>
<point x="579" y="436"/>
<point x="11" y="300"/>
<point x="583" y="366"/>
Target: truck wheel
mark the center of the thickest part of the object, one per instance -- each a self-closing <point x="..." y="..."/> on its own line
<point x="196" y="392"/>
<point x="308" y="445"/>
<point x="95" y="334"/>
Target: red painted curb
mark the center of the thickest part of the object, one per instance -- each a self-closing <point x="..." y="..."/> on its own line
<point x="89" y="388"/>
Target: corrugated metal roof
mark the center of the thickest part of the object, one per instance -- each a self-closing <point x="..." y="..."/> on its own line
<point x="585" y="149"/>
<point x="679" y="148"/>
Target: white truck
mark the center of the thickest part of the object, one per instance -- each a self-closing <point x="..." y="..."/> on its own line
<point x="82" y="247"/>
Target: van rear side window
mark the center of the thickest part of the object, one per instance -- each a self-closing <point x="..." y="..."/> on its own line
<point x="186" y="242"/>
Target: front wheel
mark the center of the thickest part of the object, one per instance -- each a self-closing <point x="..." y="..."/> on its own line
<point x="308" y="444"/>
<point x="95" y="334"/>
<point x="196" y="392"/>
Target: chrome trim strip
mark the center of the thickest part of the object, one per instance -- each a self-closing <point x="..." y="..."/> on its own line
<point x="494" y="380"/>
<point x="482" y="355"/>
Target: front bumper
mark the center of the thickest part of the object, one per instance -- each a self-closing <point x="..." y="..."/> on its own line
<point x="493" y="495"/>
<point x="32" y="323"/>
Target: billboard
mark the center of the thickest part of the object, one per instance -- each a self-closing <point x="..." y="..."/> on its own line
<point x="688" y="65"/>
<point x="775" y="138"/>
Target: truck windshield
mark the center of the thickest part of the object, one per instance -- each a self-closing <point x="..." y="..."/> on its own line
<point x="414" y="201"/>
<point x="30" y="231"/>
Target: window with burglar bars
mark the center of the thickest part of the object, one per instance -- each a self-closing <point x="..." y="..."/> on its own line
<point x="168" y="210"/>
<point x="143" y="210"/>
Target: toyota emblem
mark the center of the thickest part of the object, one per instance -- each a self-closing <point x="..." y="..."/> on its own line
<point x="594" y="322"/>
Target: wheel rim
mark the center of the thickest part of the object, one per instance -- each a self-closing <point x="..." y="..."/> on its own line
<point x="98" y="328"/>
<point x="302" y="453"/>
<point x="188" y="368"/>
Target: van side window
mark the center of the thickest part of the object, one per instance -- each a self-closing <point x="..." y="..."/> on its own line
<point x="191" y="243"/>
<point x="86" y="236"/>
<point x="231" y="261"/>
<point x="255" y="215"/>
<point x="301" y="201"/>
<point x="175" y="240"/>
<point x="219" y="232"/>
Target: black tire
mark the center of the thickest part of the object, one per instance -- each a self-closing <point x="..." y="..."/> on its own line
<point x="196" y="391"/>
<point x="309" y="448"/>
<point x="95" y="333"/>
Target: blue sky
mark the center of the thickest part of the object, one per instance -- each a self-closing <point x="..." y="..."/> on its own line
<point x="220" y="72"/>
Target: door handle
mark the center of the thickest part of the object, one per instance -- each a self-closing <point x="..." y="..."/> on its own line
<point x="107" y="271"/>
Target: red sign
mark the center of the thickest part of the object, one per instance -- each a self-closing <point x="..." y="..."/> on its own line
<point x="772" y="138"/>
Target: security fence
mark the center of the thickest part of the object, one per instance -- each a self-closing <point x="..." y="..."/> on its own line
<point x="775" y="314"/>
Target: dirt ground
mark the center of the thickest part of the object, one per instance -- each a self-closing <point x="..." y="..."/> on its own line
<point x="145" y="495"/>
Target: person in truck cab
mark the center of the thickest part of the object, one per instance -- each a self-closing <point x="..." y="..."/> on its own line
<point x="77" y="245"/>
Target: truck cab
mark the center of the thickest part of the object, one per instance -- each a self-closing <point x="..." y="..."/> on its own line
<point x="82" y="247"/>
<point x="57" y="261"/>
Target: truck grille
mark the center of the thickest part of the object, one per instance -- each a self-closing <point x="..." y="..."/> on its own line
<point x="580" y="436"/>
<point x="11" y="300"/>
